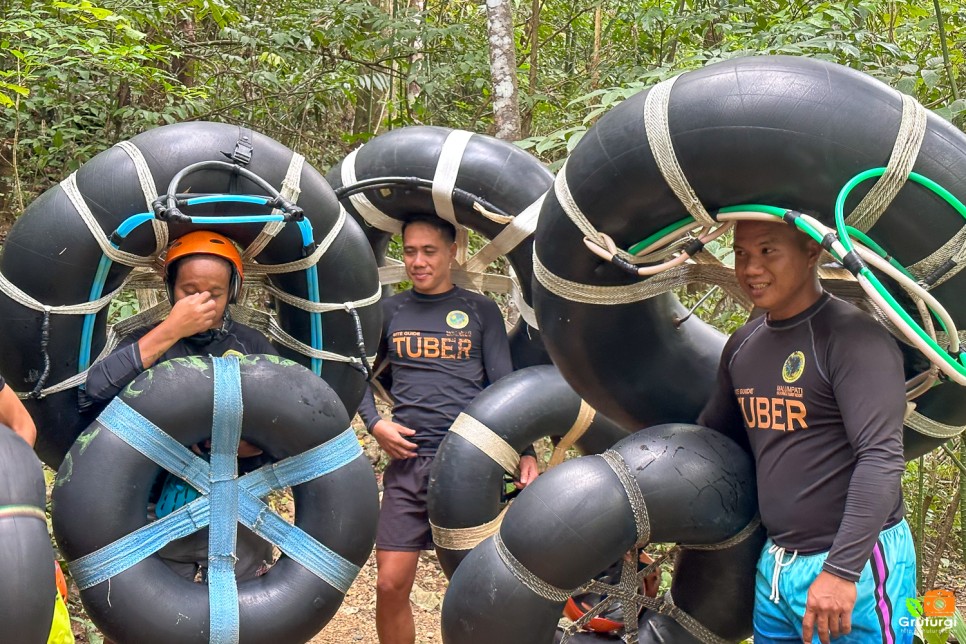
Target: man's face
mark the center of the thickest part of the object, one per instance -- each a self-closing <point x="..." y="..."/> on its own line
<point x="204" y="273"/>
<point x="427" y="257"/>
<point x="775" y="266"/>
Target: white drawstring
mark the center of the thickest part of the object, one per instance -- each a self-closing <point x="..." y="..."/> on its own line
<point x="780" y="563"/>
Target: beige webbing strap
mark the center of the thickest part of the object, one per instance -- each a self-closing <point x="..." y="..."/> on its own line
<point x="658" y="129"/>
<point x="521" y="227"/>
<point x="73" y="193"/>
<point x="150" y="191"/>
<point x="486" y="440"/>
<point x="933" y="428"/>
<point x="320" y="307"/>
<point x="291" y="189"/>
<point x="954" y="249"/>
<point x="306" y="262"/>
<point x="698" y="630"/>
<point x="740" y="536"/>
<point x="526" y="311"/>
<point x="370" y="213"/>
<point x="731" y="288"/>
<point x="447" y="169"/>
<point x="268" y="325"/>
<point x="527" y="578"/>
<point x="633" y="492"/>
<point x="466" y="538"/>
<point x="114" y="335"/>
<point x="585" y="416"/>
<point x="912" y="129"/>
<point x="462" y="245"/>
<point x="561" y="189"/>
<point x="12" y="291"/>
<point x="615" y="295"/>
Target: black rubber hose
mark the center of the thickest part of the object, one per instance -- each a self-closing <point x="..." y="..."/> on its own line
<point x="465" y="484"/>
<point x="102" y="491"/>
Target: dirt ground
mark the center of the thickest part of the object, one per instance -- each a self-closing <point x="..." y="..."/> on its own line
<point x="356" y="620"/>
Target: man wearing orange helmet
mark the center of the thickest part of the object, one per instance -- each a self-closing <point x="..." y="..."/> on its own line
<point x="203" y="274"/>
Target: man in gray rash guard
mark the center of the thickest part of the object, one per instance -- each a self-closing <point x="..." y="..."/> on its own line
<point x="443" y="345"/>
<point x="203" y="271"/>
<point x="816" y="387"/>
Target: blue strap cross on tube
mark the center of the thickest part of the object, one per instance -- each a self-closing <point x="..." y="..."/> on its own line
<point x="225" y="500"/>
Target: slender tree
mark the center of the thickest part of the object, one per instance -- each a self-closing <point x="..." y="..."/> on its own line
<point x="503" y="69"/>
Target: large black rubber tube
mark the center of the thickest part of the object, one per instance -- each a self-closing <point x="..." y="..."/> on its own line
<point x="465" y="484"/>
<point x="494" y="170"/>
<point x="575" y="521"/>
<point x="50" y="254"/>
<point x="783" y="131"/>
<point x="27" y="588"/>
<point x="103" y="485"/>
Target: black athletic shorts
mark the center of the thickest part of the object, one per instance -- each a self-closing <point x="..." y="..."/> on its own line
<point x="403" y="517"/>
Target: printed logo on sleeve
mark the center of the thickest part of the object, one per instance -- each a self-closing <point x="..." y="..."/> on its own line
<point x="457" y="319"/>
<point x="793" y="367"/>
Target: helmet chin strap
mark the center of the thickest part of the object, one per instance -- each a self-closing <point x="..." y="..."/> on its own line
<point x="212" y="335"/>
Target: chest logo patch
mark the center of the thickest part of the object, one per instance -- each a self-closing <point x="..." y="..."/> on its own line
<point x="457" y="319"/>
<point x="793" y="367"/>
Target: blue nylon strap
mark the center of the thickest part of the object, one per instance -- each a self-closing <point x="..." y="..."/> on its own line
<point x="149" y="439"/>
<point x="226" y="500"/>
<point x="318" y="461"/>
<point x="115" y="558"/>
<point x="326" y="564"/>
<point x="225" y="434"/>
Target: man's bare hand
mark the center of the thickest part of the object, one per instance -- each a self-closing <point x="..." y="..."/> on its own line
<point x="392" y="439"/>
<point x="828" y="610"/>
<point x="528" y="472"/>
<point x="192" y="314"/>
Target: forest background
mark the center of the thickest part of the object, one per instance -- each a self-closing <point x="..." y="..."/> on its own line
<point x="325" y="76"/>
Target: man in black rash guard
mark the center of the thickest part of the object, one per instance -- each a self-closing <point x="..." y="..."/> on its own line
<point x="203" y="271"/>
<point x="816" y="388"/>
<point x="443" y="345"/>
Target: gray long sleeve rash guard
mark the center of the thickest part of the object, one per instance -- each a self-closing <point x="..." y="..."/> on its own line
<point x="821" y="397"/>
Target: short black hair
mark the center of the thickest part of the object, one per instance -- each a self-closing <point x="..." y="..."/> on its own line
<point x="446" y="229"/>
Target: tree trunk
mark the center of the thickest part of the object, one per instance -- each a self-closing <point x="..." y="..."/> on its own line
<point x="525" y="129"/>
<point x="595" y="55"/>
<point x="503" y="69"/>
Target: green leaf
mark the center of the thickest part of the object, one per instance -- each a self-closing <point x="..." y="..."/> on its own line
<point x="930" y="76"/>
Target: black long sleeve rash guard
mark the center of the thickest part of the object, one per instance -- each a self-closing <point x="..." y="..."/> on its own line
<point x="112" y="374"/>
<point x="442" y="351"/>
<point x="821" y="398"/>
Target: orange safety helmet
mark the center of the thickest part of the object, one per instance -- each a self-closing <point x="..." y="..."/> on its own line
<point x="205" y="242"/>
<point x="599" y="624"/>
